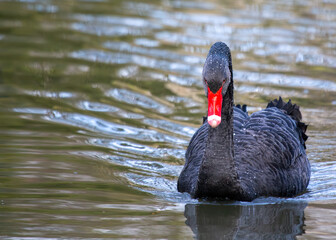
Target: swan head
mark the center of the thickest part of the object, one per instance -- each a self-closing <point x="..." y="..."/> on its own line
<point x="217" y="75"/>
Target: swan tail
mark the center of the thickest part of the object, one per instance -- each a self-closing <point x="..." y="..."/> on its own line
<point x="294" y="112"/>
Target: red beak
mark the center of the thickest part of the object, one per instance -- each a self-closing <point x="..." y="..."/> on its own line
<point x="214" y="107"/>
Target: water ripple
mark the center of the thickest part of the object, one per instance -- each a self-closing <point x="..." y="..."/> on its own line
<point x="285" y="80"/>
<point x="157" y="53"/>
<point x="137" y="99"/>
<point x="144" y="61"/>
<point x="171" y="127"/>
<point x="101" y="126"/>
<point x="47" y="94"/>
<point x="138" y="149"/>
<point x="116" y="20"/>
<point x="145" y="42"/>
<point x="106" y="30"/>
<point x="98" y="107"/>
<point x="93" y="123"/>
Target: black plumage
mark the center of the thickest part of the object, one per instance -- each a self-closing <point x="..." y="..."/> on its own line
<point x="245" y="157"/>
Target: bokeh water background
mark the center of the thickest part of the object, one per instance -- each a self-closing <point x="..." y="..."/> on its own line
<point x="99" y="99"/>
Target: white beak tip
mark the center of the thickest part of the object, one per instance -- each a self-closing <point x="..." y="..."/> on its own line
<point x="214" y="120"/>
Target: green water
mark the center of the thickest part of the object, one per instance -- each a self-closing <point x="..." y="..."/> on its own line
<point x="99" y="99"/>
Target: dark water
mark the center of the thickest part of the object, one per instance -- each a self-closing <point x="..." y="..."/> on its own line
<point x="99" y="98"/>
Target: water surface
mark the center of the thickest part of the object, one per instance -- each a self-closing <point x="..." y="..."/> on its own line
<point x="99" y="99"/>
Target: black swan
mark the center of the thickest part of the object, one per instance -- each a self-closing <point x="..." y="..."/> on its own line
<point x="240" y="157"/>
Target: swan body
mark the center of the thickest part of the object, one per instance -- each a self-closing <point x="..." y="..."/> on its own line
<point x="242" y="157"/>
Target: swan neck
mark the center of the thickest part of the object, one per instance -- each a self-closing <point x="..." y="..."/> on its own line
<point x="218" y="171"/>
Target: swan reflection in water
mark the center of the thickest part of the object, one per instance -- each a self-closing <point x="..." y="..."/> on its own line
<point x="270" y="221"/>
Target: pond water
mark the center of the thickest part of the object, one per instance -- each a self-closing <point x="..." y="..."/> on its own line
<point x="99" y="99"/>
